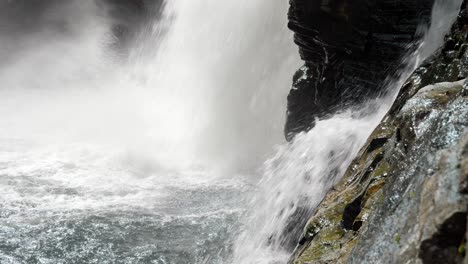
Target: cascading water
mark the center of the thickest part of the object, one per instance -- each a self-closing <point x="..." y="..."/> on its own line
<point x="138" y="157"/>
<point x="153" y="159"/>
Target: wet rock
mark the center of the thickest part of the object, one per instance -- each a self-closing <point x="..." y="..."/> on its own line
<point x="404" y="199"/>
<point x="443" y="246"/>
<point x="349" y="48"/>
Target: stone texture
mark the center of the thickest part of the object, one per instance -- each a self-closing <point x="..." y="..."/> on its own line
<point x="349" y="47"/>
<point x="404" y="198"/>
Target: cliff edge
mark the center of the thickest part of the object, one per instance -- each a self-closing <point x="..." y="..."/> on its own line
<point x="404" y="198"/>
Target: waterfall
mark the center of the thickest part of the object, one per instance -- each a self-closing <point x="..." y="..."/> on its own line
<point x="152" y="144"/>
<point x="210" y="89"/>
<point x="224" y="85"/>
<point x="154" y="152"/>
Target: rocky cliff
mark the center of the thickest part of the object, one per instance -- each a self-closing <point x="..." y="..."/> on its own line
<point x="349" y="47"/>
<point x="404" y="198"/>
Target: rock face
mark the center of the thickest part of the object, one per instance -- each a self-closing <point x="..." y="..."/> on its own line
<point x="404" y="198"/>
<point x="349" y="47"/>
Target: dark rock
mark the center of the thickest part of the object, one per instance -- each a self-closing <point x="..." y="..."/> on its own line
<point x="349" y="47"/>
<point x="351" y="212"/>
<point x="443" y="246"/>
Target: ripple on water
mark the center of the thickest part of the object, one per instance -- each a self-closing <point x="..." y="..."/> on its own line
<point x="65" y="208"/>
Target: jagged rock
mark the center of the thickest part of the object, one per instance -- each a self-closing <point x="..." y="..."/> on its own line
<point x="404" y="198"/>
<point x="349" y="47"/>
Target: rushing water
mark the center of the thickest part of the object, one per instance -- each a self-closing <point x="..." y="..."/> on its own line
<point x="156" y="156"/>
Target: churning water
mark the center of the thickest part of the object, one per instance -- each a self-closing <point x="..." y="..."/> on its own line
<point x="155" y="155"/>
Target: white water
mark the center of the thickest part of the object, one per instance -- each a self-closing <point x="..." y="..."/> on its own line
<point x="212" y="89"/>
<point x="82" y="131"/>
<point x="166" y="142"/>
<point x="211" y="98"/>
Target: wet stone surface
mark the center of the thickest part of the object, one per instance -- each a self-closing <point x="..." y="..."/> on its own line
<point x="349" y="48"/>
<point x="404" y="198"/>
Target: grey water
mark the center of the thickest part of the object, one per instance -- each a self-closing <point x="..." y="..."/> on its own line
<point x="156" y="150"/>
